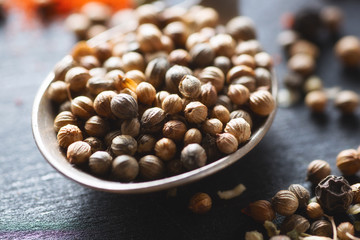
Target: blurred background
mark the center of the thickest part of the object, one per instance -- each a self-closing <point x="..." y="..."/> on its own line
<point x="36" y="202"/>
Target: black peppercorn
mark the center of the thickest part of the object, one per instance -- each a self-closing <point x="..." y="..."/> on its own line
<point x="334" y="194"/>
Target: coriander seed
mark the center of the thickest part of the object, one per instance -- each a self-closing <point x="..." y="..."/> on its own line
<point x="77" y="78"/>
<point x="355" y="188"/>
<point x="78" y="152"/>
<point x="263" y="77"/>
<point x="64" y="118"/>
<point x="244" y="59"/>
<point x="124" y="144"/>
<point x="264" y="60"/>
<point x="96" y="126"/>
<point x="190" y="86"/>
<point x="200" y="203"/>
<point x="195" y="112"/>
<point x="193" y="135"/>
<point x="314" y="210"/>
<point x="239" y="71"/>
<point x="348" y="162"/>
<point x="155" y="71"/>
<point x="241" y="28"/>
<point x="58" y="92"/>
<point x="260" y="211"/>
<point x="208" y="94"/>
<point x="152" y="120"/>
<point x="301" y="193"/>
<point x="124" y="106"/>
<point x="247" y="81"/>
<point x="82" y="107"/>
<point x="262" y="102"/>
<point x="212" y="126"/>
<point x="213" y="75"/>
<point x="347" y="50"/>
<point x="179" y="57"/>
<point x="220" y="112"/>
<point x="345" y="228"/>
<point x="321" y="228"/>
<point x="151" y="167"/>
<point x="172" y="104"/>
<point x="238" y="93"/>
<point x="68" y="134"/>
<point x="125" y="168"/>
<point x="302" y="63"/>
<point x="136" y="75"/>
<point x="149" y="37"/>
<point x="146" y="144"/>
<point x="110" y="136"/>
<point x="133" y="61"/>
<point x="146" y="93"/>
<point x="239" y="128"/>
<point x="317" y="170"/>
<point x="193" y="156"/>
<point x="102" y="104"/>
<point x="223" y="45"/>
<point x="347" y="101"/>
<point x="285" y="202"/>
<point x="202" y="54"/>
<point x="165" y="149"/>
<point x="131" y="127"/>
<point x="100" y="163"/>
<point x="96" y="85"/>
<point x="316" y="100"/>
<point x="226" y="143"/>
<point x="175" y="130"/>
<point x="294" y="222"/>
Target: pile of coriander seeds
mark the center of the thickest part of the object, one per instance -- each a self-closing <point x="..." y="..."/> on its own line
<point x="175" y="93"/>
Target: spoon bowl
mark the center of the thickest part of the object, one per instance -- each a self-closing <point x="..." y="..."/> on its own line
<point x="43" y="115"/>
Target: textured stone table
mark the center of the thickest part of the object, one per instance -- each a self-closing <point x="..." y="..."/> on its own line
<point x="36" y="202"/>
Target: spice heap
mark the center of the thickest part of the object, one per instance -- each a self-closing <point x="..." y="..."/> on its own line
<point x="171" y="94"/>
<point x="299" y="43"/>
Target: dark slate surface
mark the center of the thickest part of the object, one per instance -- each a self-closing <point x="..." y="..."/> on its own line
<point x="36" y="202"/>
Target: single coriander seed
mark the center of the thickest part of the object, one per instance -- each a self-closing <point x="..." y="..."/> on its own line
<point x="344" y="228"/>
<point x="131" y="127"/>
<point x="95" y="143"/>
<point x="347" y="101"/>
<point x="238" y="93"/>
<point x="316" y="100"/>
<point x="124" y="106"/>
<point x="146" y="93"/>
<point x="193" y="156"/>
<point x="125" y="168"/>
<point x="78" y="152"/>
<point x="146" y="144"/>
<point x="226" y="143"/>
<point x="77" y="78"/>
<point x="100" y="163"/>
<point x="222" y="113"/>
<point x="190" y="87"/>
<point x="212" y="126"/>
<point x="260" y="211"/>
<point x="58" y="92"/>
<point x="151" y="167"/>
<point x="165" y="149"/>
<point x="317" y="170"/>
<point x="314" y="210"/>
<point x="124" y="144"/>
<point x="82" y="107"/>
<point x="69" y="134"/>
<point x="152" y="120"/>
<point x="102" y="104"/>
<point x="172" y="104"/>
<point x="175" y="130"/>
<point x="285" y="202"/>
<point x="295" y="222"/>
<point x="356" y="193"/>
<point x="348" y="162"/>
<point x="193" y="135"/>
<point x="321" y="228"/>
<point x="195" y="112"/>
<point x="262" y="102"/>
<point x="200" y="203"/>
<point x="96" y="126"/>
